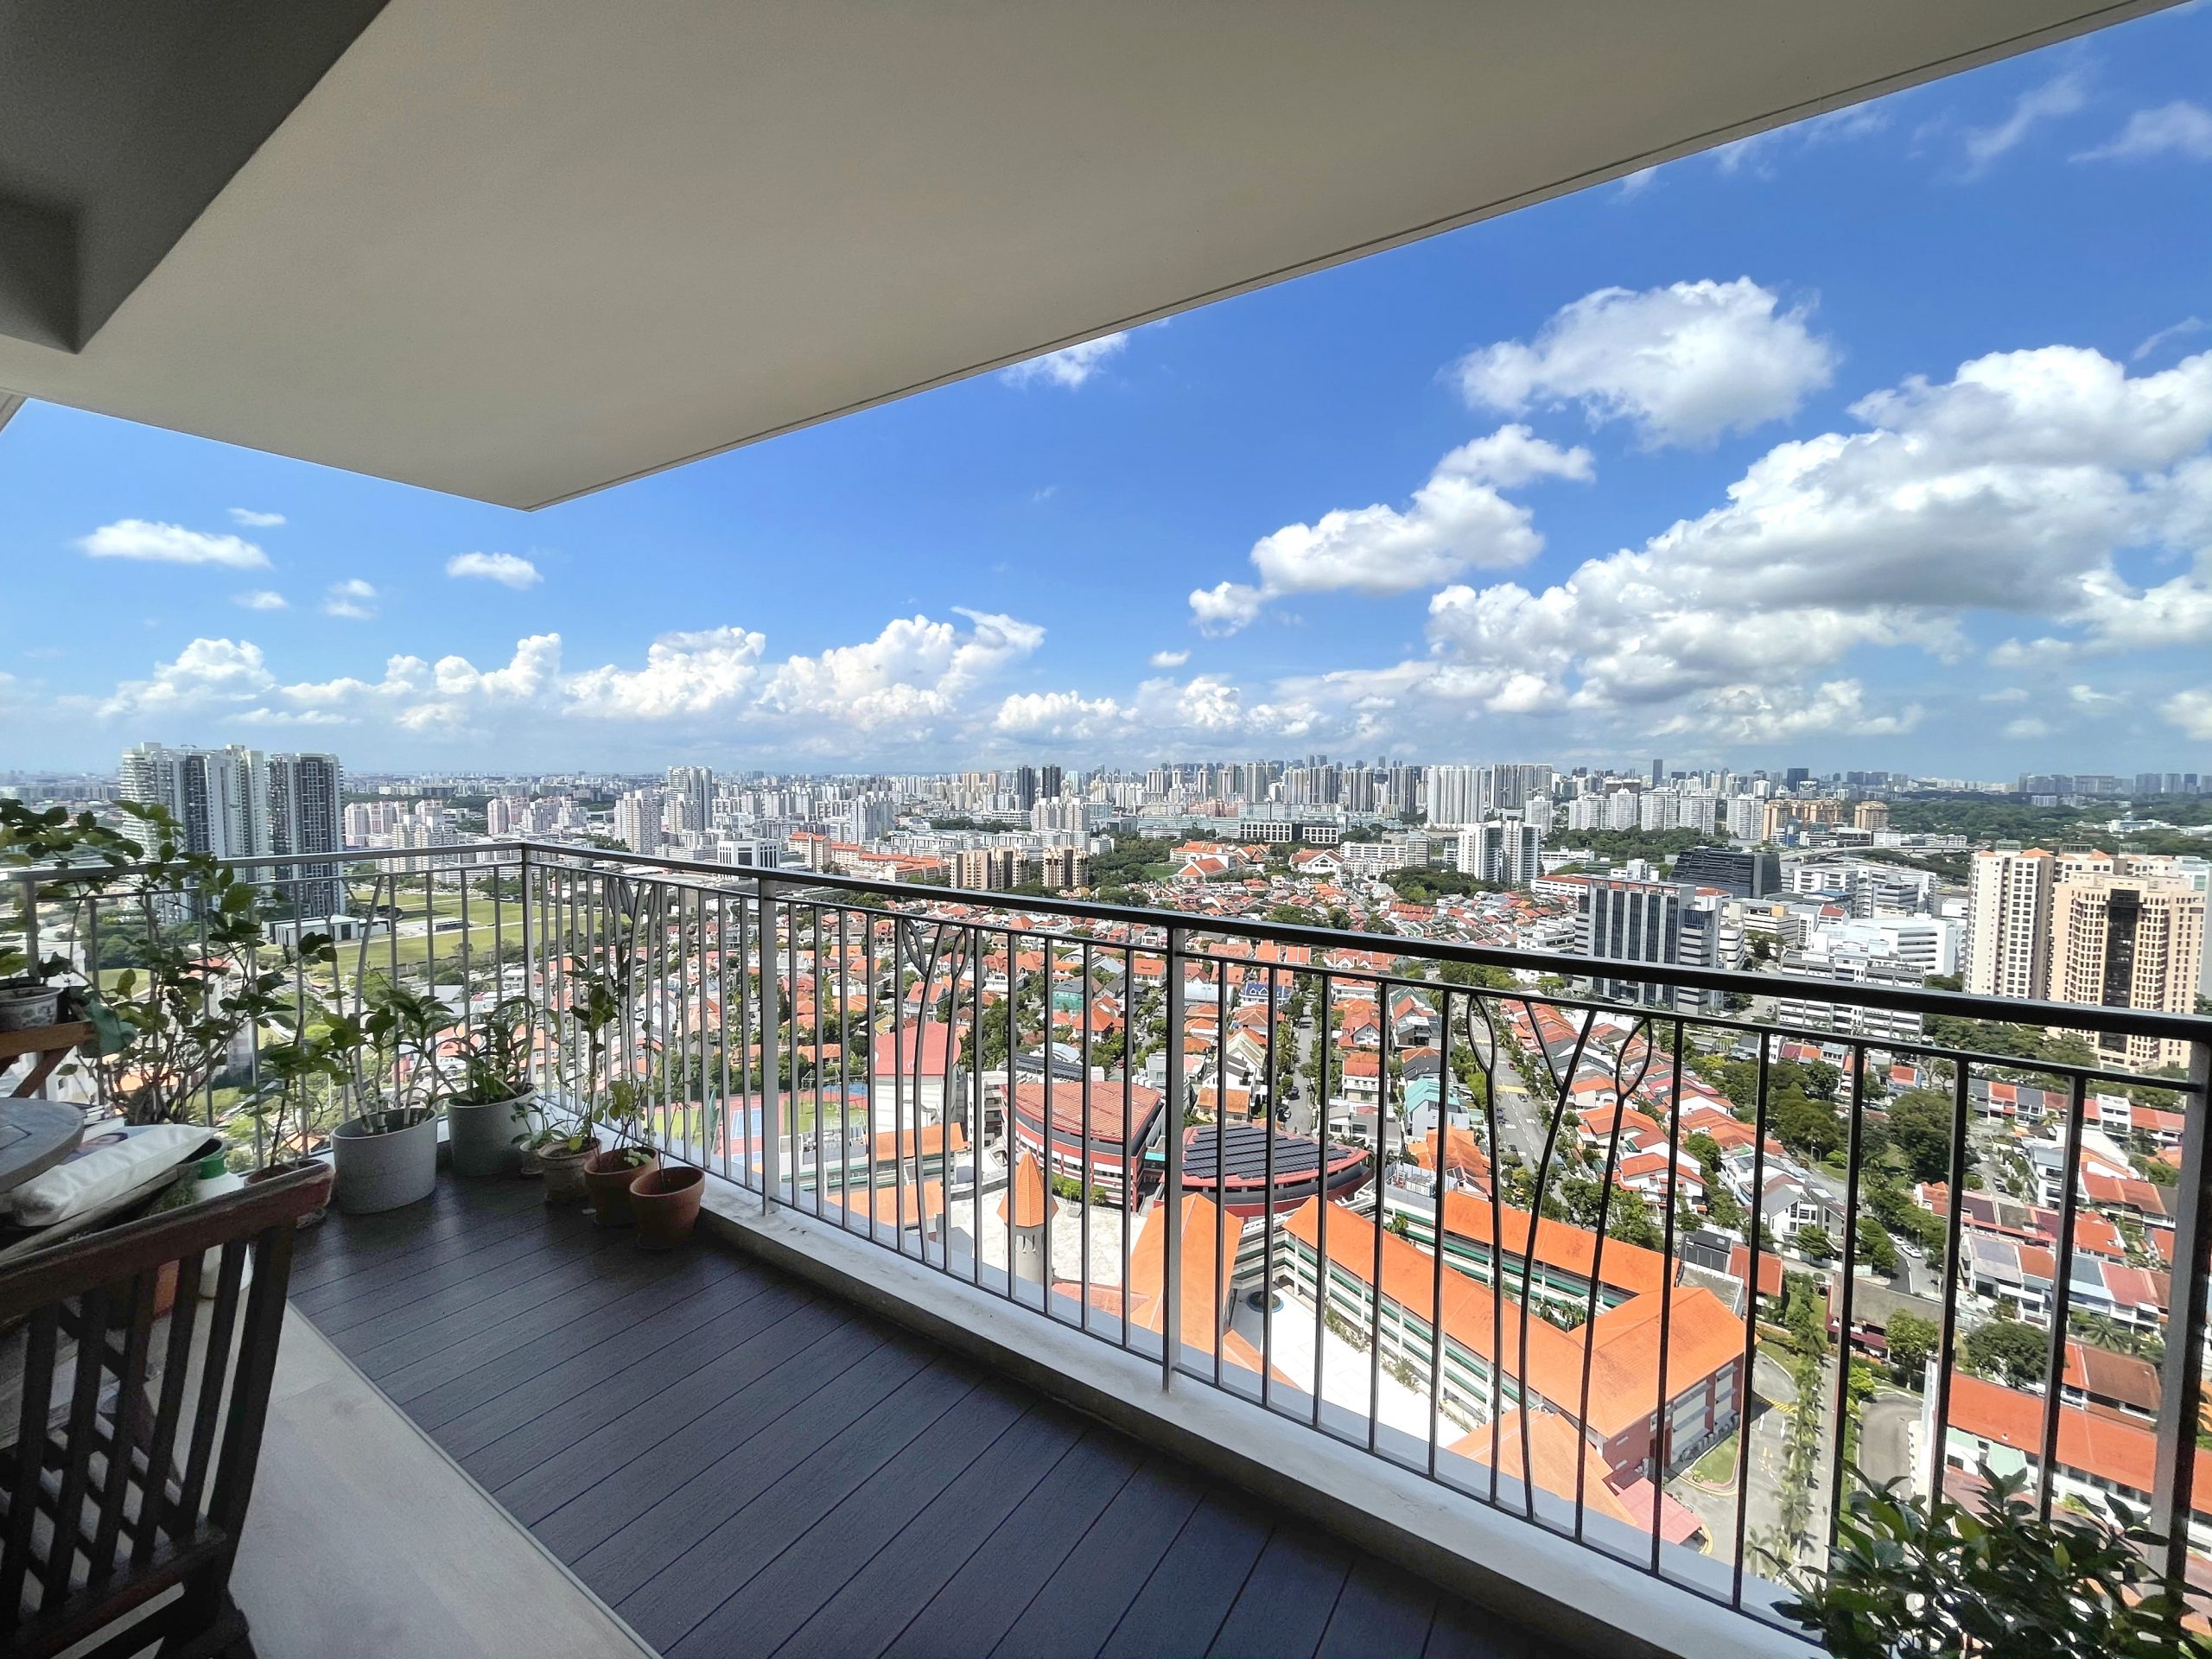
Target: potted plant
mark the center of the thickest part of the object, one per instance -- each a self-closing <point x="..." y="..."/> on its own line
<point x="387" y="1156"/>
<point x="29" y="997"/>
<point x="166" y="1025"/>
<point x="492" y="1102"/>
<point x="609" y="1170"/>
<point x="560" y="1148"/>
<point x="301" y="1079"/>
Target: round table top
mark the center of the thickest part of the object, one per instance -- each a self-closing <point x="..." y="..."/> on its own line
<point x="35" y="1136"/>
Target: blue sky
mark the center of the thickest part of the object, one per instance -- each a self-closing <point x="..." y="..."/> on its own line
<point x="1691" y="465"/>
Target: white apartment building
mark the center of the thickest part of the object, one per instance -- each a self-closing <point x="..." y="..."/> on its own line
<point x="1844" y="962"/>
<point x="690" y="808"/>
<point x="1451" y="795"/>
<point x="1505" y="851"/>
<point x="1926" y="944"/>
<point x="2008" y="922"/>
<point x="638" y="820"/>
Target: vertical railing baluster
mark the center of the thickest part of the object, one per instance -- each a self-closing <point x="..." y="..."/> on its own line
<point x="1838" y="1466"/>
<point x="1171" y="1111"/>
<point x="771" y="1018"/>
<point x="1267" y="1178"/>
<point x="1662" y="1419"/>
<point x="1323" y="1038"/>
<point x="1382" y="992"/>
<point x="1744" y="1464"/>
<point x="2174" y="1498"/>
<point x="2062" y="1291"/>
<point x="1946" y="1357"/>
<point x="1083" y="1114"/>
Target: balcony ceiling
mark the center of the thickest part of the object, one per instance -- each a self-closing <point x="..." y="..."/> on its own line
<point x="519" y="249"/>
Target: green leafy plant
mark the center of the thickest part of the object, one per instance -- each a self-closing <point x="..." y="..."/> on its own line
<point x="1909" y="1578"/>
<point x="496" y="1054"/>
<point x="404" y="1026"/>
<point x="597" y="1005"/>
<point x="165" y="1026"/>
<point x="305" y="1081"/>
<point x="33" y="841"/>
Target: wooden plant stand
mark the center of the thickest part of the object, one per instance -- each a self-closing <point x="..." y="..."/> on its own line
<point x="47" y="1046"/>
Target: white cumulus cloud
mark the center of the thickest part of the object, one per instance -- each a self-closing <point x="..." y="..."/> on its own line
<point x="509" y="569"/>
<point x="352" y="598"/>
<point x="160" y="543"/>
<point x="262" y="599"/>
<point x="254" y="519"/>
<point x="1456" y="521"/>
<point x="1068" y="367"/>
<point x="1168" y="659"/>
<point x="1682" y="364"/>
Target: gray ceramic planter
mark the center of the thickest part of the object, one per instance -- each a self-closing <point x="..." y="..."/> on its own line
<point x="481" y="1133"/>
<point x="383" y="1172"/>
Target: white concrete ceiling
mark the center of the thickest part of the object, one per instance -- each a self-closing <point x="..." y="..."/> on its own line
<point x="519" y="249"/>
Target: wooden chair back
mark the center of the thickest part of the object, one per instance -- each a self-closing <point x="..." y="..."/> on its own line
<point x="139" y="1421"/>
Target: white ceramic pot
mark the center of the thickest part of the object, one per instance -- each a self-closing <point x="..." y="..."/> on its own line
<point x="383" y="1170"/>
<point x="26" y="1005"/>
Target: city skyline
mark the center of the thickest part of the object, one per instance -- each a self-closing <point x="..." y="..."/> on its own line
<point x="1881" y="439"/>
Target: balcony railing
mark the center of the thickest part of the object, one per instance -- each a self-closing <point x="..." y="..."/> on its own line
<point x="1603" y="1263"/>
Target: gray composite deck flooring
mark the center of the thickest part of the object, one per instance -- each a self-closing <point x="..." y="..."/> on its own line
<point x="739" y="1462"/>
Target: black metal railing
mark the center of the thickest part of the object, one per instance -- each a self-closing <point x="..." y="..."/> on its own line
<point x="1609" y="1266"/>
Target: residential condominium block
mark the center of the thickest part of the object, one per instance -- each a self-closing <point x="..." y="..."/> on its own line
<point x="2128" y="942"/>
<point x="2008" y="922"/>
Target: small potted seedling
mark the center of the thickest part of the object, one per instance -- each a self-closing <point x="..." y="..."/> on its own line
<point x="387" y="1155"/>
<point x="612" y="1101"/>
<point x="488" y="1113"/>
<point x="560" y="1148"/>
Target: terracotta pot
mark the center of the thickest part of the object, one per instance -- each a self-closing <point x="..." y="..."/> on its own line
<point x="666" y="1203"/>
<point x="313" y="1218"/>
<point x="607" y="1175"/>
<point x="564" y="1170"/>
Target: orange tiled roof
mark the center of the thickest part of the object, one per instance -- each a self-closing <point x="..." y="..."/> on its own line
<point x="1031" y="1204"/>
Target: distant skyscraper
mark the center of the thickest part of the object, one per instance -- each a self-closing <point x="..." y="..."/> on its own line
<point x="1048" y="783"/>
<point x="238" y="803"/>
<point x="1451" y="795"/>
<point x="1658" y="773"/>
<point x="691" y="798"/>
<point x="305" y="791"/>
<point x="2008" y="922"/>
<point x="1506" y="852"/>
<point x="636" y="820"/>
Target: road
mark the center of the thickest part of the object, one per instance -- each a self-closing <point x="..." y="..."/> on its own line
<point x="1886" y="1426"/>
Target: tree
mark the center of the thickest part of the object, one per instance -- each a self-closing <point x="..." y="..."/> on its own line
<point x="1912" y="1341"/>
<point x="1920" y="1127"/>
<point x="1807" y="1126"/>
<point x="1631" y="1223"/>
<point x="2007" y="1351"/>
<point x="1814" y="1241"/>
<point x="1876" y="1248"/>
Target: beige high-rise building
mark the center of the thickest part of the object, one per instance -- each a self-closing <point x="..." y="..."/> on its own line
<point x="2008" y="922"/>
<point x="1870" y="815"/>
<point x="2133" y="941"/>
